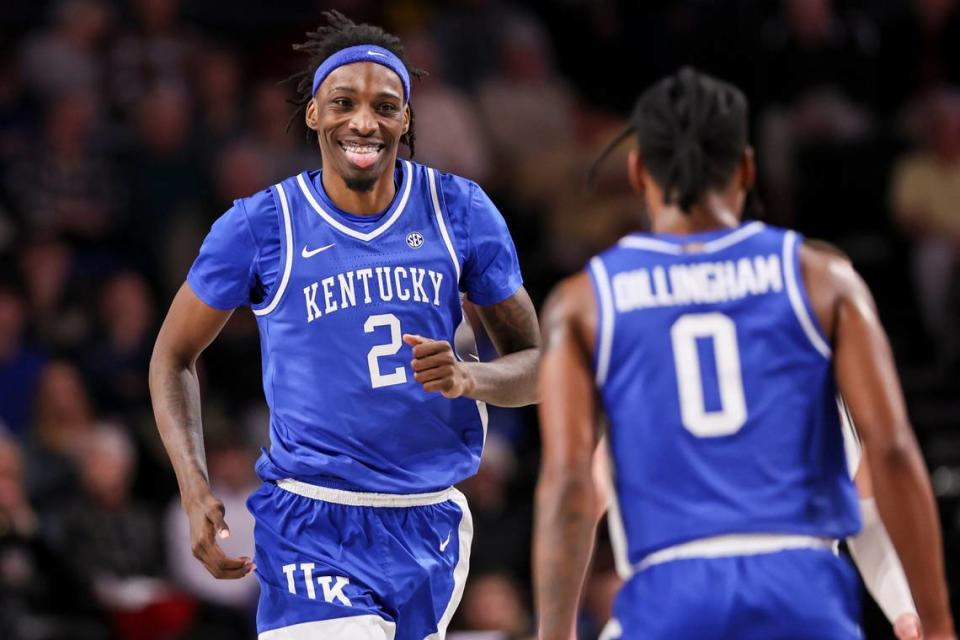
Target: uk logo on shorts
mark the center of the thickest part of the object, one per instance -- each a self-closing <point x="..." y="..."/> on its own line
<point x="415" y="240"/>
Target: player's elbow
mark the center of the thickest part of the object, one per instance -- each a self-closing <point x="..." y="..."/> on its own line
<point x="895" y="450"/>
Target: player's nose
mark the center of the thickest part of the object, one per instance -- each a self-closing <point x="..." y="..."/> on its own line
<point x="363" y="121"/>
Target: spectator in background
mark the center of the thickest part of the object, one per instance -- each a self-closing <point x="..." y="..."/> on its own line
<point x="926" y="203"/>
<point x="155" y="50"/>
<point x="217" y="85"/>
<point x="65" y="57"/>
<point x="108" y="535"/>
<point x="283" y="152"/>
<point x="229" y="605"/>
<point x="501" y="527"/>
<point x="920" y="51"/>
<point x="528" y="109"/>
<point x="120" y="353"/>
<point x="493" y="602"/>
<point x="165" y="175"/>
<point x="20" y="361"/>
<point x="64" y="184"/>
<point x="455" y="139"/>
<point x="818" y="78"/>
<point x="41" y="597"/>
<point x="64" y="420"/>
<point x="56" y="309"/>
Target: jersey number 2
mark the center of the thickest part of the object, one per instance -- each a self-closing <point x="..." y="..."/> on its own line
<point x="399" y="375"/>
<point x="722" y="334"/>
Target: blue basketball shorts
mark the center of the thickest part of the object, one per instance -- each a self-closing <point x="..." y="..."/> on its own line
<point x="794" y="594"/>
<point x="344" y="565"/>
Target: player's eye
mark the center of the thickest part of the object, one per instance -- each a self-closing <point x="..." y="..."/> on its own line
<point x="388" y="107"/>
<point x="342" y="102"/>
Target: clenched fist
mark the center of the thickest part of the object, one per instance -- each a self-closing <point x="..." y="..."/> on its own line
<point x="436" y="367"/>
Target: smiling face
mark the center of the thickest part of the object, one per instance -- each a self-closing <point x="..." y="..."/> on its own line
<point x="359" y="116"/>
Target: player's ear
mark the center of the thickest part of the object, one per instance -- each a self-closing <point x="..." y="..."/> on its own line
<point x="312" y="115"/>
<point x="635" y="171"/>
<point x="748" y="169"/>
<point x="406" y="118"/>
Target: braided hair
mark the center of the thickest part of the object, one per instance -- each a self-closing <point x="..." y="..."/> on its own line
<point x="691" y="132"/>
<point x="340" y="32"/>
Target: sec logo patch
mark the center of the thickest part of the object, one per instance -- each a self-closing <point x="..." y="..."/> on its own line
<point x="415" y="240"/>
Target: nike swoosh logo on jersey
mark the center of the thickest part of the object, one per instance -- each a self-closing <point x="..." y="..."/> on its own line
<point x="443" y="545"/>
<point x="308" y="253"/>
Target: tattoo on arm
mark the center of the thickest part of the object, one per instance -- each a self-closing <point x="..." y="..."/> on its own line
<point x="512" y="324"/>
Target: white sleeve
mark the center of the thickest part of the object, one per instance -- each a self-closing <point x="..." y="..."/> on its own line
<point x="877" y="561"/>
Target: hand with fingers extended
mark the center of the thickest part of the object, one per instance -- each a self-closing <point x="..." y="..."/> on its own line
<point x="205" y="513"/>
<point x="436" y="367"/>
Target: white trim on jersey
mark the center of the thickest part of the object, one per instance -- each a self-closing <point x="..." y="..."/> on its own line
<point x="662" y="246"/>
<point x="353" y="233"/>
<point x="441" y="223"/>
<point x="465" y="534"/>
<point x="365" y="627"/>
<point x="606" y="319"/>
<point x="288" y="263"/>
<point x="651" y="244"/>
<point x="363" y="499"/>
<point x="618" y="533"/>
<point x="737" y="544"/>
<point x="731" y="239"/>
<point x="796" y="301"/>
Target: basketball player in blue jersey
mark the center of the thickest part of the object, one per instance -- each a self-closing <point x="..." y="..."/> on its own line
<point x="355" y="274"/>
<point x="715" y="350"/>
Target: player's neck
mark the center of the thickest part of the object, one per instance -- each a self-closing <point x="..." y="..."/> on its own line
<point x="370" y="202"/>
<point x="713" y="212"/>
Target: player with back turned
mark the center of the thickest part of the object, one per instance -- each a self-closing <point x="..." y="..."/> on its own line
<point x="716" y="350"/>
<point x="355" y="274"/>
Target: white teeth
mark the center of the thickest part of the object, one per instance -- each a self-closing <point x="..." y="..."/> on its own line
<point x="360" y="148"/>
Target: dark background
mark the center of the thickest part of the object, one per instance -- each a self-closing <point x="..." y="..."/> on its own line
<point x="126" y="128"/>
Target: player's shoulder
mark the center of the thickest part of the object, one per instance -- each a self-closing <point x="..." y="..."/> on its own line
<point x="571" y="303"/>
<point x="261" y="211"/>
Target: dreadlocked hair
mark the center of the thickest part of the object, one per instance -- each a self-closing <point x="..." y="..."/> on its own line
<point x="340" y="32"/>
<point x="691" y="131"/>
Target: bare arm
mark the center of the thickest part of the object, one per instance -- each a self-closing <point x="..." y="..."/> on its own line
<point x="566" y="499"/>
<point x="508" y="381"/>
<point x="190" y="326"/>
<point x="867" y="378"/>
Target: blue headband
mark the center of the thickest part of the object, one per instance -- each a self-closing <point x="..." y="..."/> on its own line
<point x="363" y="53"/>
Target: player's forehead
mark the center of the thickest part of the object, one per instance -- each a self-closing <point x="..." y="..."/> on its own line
<point x="362" y="78"/>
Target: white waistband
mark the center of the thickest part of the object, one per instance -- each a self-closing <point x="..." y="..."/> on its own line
<point x="360" y="499"/>
<point x="738" y="544"/>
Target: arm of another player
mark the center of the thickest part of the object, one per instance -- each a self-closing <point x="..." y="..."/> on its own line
<point x="866" y="375"/>
<point x="507" y="381"/>
<point x="876" y="559"/>
<point x="566" y="500"/>
<point x="190" y="326"/>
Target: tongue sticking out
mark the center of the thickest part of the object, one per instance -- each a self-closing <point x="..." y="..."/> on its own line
<point x="362" y="160"/>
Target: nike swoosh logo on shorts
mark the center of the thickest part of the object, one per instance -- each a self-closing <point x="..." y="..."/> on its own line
<point x="308" y="253"/>
<point x="443" y="545"/>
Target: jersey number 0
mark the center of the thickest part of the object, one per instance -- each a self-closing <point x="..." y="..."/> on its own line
<point x="722" y="334"/>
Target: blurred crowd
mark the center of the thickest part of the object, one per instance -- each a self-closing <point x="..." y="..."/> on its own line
<point x="128" y="126"/>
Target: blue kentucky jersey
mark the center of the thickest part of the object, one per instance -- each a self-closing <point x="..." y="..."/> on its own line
<point x="345" y="410"/>
<point x="718" y="387"/>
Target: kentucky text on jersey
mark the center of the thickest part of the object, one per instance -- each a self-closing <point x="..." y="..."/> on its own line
<point x="704" y="283"/>
<point x="364" y="286"/>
